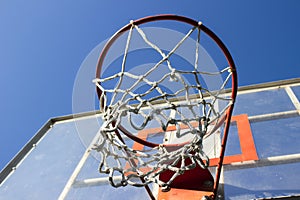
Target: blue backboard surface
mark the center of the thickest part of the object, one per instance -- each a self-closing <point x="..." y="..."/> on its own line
<point x="44" y="171"/>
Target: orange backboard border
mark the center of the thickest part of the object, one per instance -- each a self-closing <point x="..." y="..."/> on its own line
<point x="247" y="145"/>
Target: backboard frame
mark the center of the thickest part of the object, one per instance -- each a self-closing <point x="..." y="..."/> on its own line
<point x="16" y="162"/>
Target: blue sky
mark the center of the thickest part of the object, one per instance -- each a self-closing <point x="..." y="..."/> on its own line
<point x="43" y="43"/>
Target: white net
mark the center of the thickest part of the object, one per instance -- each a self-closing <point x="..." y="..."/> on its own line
<point x="132" y="102"/>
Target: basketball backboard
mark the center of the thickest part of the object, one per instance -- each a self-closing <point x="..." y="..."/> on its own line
<point x="262" y="156"/>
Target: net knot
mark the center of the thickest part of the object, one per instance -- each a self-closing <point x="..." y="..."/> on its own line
<point x="173" y="75"/>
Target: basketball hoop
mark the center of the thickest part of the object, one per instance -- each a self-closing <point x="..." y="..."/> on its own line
<point x="136" y="99"/>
